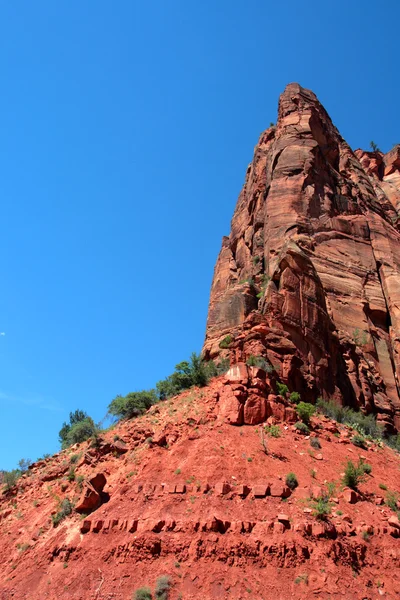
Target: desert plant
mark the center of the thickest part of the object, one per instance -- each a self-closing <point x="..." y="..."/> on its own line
<point x="226" y="342"/>
<point x="383" y="486"/>
<point x="291" y="481"/>
<point x="260" y="362"/>
<point x="391" y="500"/>
<point x="273" y="430"/>
<point x="374" y="147"/>
<point x="24" y="464"/>
<point x="132" y="405"/>
<point x="302" y="427"/>
<point x="71" y="474"/>
<point x="81" y="427"/>
<point x="66" y="508"/>
<point x="10" y="478"/>
<point x="315" y="443"/>
<point x="305" y="411"/>
<point x="282" y="389"/>
<point x="163" y="586"/>
<point x="354" y="474"/>
<point x="295" y="397"/>
<point x="143" y="593"/>
<point x="358" y="440"/>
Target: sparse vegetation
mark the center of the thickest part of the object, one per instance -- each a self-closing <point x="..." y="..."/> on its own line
<point x="273" y="431"/>
<point x="163" y="586"/>
<point x="143" y="593"/>
<point x="364" y="424"/>
<point x="301" y="579"/>
<point x="391" y="501"/>
<point x="226" y="342"/>
<point x="81" y="427"/>
<point x="315" y="443"/>
<point x="355" y="474"/>
<point x="295" y="397"/>
<point x="322" y="505"/>
<point x="383" y="486"/>
<point x="260" y="362"/>
<point x="358" y="440"/>
<point x="291" y="481"/>
<point x="302" y="427"/>
<point x="10" y="478"/>
<point x="282" y="389"/>
<point x="374" y="147"/>
<point x="65" y="510"/>
<point x="305" y="411"/>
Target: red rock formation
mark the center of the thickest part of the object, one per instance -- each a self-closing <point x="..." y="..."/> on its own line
<point x="309" y="277"/>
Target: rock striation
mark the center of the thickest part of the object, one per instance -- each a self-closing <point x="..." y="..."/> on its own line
<point x="309" y="277"/>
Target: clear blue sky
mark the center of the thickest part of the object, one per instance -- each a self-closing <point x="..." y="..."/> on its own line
<point x="125" y="132"/>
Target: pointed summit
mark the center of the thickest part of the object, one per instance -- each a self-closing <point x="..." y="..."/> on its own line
<point x="309" y="276"/>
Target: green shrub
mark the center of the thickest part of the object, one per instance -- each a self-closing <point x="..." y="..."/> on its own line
<point x="133" y="404"/>
<point x="71" y="474"/>
<point x="367" y="468"/>
<point x="305" y="411"/>
<point x="358" y="440"/>
<point x="163" y="586"/>
<point x="226" y="342"/>
<point x="273" y="430"/>
<point x="24" y="464"/>
<point x="81" y="427"/>
<point x="65" y="510"/>
<point x="10" y="478"/>
<point x="282" y="389"/>
<point x="302" y="427"/>
<point x="74" y="459"/>
<point x="260" y="362"/>
<point x="354" y="474"/>
<point x="322" y="505"/>
<point x="315" y="443"/>
<point x="364" y="424"/>
<point x="143" y="593"/>
<point x="391" y="500"/>
<point x="295" y="397"/>
<point x="291" y="481"/>
<point x="383" y="486"/>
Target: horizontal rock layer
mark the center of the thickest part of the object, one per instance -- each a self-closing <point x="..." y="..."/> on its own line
<point x="309" y="277"/>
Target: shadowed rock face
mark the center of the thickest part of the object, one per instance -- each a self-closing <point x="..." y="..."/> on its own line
<point x="309" y="277"/>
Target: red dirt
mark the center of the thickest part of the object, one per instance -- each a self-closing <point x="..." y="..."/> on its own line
<point x="211" y="544"/>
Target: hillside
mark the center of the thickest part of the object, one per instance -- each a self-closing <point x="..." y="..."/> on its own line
<point x="190" y="496"/>
<point x="280" y="478"/>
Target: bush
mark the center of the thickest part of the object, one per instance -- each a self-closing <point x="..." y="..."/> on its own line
<point x="364" y="424"/>
<point x="273" y="430"/>
<point x="302" y="427"/>
<point x="65" y="510"/>
<point x="358" y="441"/>
<point x="10" y="478"/>
<point x="143" y="593"/>
<point x="391" y="500"/>
<point x="315" y="443"/>
<point x="24" y="464"/>
<point x="305" y="411"/>
<point x="186" y="374"/>
<point x="260" y="362"/>
<point x="295" y="397"/>
<point x="322" y="507"/>
<point x="163" y="585"/>
<point x="282" y="389"/>
<point x="354" y="474"/>
<point x="226" y="342"/>
<point x="291" y="481"/>
<point x="133" y="404"/>
<point x="80" y="428"/>
<point x="367" y="468"/>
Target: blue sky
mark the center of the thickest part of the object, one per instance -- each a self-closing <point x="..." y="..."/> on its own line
<point x="125" y="133"/>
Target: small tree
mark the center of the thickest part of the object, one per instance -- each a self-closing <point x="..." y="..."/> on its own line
<point x="163" y="587"/>
<point x="282" y="389"/>
<point x="355" y="474"/>
<point x="305" y="411"/>
<point x="80" y="428"/>
<point x="143" y="593"/>
<point x="291" y="481"/>
<point x="133" y="404"/>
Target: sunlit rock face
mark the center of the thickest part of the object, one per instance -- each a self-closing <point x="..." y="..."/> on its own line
<point x="309" y="277"/>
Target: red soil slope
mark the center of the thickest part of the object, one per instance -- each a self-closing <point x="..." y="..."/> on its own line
<point x="196" y="498"/>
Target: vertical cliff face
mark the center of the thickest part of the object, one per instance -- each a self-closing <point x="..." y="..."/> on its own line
<point x="309" y="277"/>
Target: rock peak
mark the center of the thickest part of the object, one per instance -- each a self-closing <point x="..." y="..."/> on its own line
<point x="313" y="258"/>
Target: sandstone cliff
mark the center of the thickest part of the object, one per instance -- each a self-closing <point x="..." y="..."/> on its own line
<point x="309" y="275"/>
